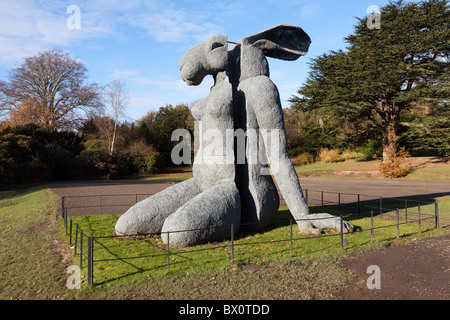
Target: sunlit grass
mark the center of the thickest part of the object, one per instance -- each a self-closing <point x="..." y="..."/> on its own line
<point x="272" y="246"/>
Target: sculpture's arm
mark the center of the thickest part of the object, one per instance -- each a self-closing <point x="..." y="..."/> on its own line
<point x="263" y="97"/>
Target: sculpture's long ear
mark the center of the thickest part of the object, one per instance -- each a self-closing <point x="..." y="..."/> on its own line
<point x="283" y="41"/>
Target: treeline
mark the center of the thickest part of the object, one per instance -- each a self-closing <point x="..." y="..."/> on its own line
<point x="31" y="152"/>
<point x="386" y="95"/>
<point x="423" y="130"/>
<point x="55" y="126"/>
<point x="387" y="92"/>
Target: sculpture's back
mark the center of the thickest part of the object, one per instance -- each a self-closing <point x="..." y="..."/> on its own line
<point x="248" y="72"/>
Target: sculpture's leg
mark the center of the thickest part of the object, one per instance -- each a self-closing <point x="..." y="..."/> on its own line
<point x="147" y="216"/>
<point x="207" y="217"/>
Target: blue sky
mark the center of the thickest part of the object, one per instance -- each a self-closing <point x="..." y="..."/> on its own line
<point x="142" y="41"/>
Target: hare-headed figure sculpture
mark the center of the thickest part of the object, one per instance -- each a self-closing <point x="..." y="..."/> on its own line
<point x="231" y="189"/>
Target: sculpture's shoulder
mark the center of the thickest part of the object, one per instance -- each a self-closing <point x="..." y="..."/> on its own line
<point x="260" y="93"/>
<point x="259" y="85"/>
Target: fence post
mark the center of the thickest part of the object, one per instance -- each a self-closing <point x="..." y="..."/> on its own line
<point x="81" y="249"/>
<point x="321" y="199"/>
<point x="436" y="215"/>
<point x="90" y="261"/>
<point x="398" y="226"/>
<point x="291" y="236"/>
<point x="306" y="196"/>
<point x="339" y="201"/>
<point x="70" y="232"/>
<point x="342" y="232"/>
<point x="168" y="251"/>
<point x="232" y="242"/>
<point x="63" y="206"/>
<point x="359" y="206"/>
<point x="76" y="238"/>
<point x="65" y="221"/>
<point x="406" y="210"/>
<point x="420" y="223"/>
<point x="371" y="225"/>
<point x="381" y="207"/>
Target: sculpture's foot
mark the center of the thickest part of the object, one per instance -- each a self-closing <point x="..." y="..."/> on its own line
<point x="306" y="227"/>
<point x="321" y="221"/>
<point x="207" y="217"/>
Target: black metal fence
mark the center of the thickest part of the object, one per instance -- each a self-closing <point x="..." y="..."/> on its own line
<point x="396" y="209"/>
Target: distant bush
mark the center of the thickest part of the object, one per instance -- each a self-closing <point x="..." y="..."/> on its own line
<point x="393" y="164"/>
<point x="294" y="152"/>
<point x="151" y="164"/>
<point x="138" y="158"/>
<point x="326" y="155"/>
<point x="347" y="155"/>
<point x="303" y="159"/>
<point x="145" y="158"/>
<point x="370" y="150"/>
<point x="29" y="153"/>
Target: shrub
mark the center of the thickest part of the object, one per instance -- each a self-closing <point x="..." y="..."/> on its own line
<point x="326" y="155"/>
<point x="30" y="153"/>
<point x="145" y="158"/>
<point x="351" y="155"/>
<point x="152" y="163"/>
<point x="370" y="151"/>
<point x="393" y="164"/>
<point x="294" y="152"/>
<point x="303" y="159"/>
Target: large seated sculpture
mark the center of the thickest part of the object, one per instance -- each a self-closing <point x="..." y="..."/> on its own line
<point x="231" y="183"/>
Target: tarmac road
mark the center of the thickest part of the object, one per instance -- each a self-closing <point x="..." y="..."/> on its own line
<point x="376" y="187"/>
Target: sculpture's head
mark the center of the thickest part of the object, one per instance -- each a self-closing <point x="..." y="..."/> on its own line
<point x="247" y="58"/>
<point x="209" y="57"/>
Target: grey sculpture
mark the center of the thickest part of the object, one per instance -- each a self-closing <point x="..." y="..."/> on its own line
<point x="229" y="188"/>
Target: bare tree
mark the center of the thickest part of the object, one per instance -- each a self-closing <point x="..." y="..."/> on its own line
<point x="54" y="81"/>
<point x="116" y="96"/>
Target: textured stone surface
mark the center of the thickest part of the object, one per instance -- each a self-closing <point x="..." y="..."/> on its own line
<point x="214" y="160"/>
<point x="257" y="106"/>
<point x="224" y="191"/>
<point x="148" y="215"/>
<point x="210" y="201"/>
<point x="207" y="217"/>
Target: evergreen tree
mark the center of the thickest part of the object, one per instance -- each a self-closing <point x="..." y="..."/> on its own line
<point x="384" y="71"/>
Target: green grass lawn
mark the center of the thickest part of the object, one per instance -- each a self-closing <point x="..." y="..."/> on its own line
<point x="30" y="261"/>
<point x="35" y="255"/>
<point x="270" y="247"/>
<point x="329" y="170"/>
<point x="438" y="173"/>
<point x="318" y="169"/>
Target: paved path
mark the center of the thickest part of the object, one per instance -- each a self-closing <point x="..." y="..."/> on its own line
<point x="377" y="188"/>
<point x="381" y="188"/>
<point x="111" y="203"/>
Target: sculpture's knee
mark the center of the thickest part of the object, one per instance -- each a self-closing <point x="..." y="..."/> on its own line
<point x="207" y="217"/>
<point x="147" y="216"/>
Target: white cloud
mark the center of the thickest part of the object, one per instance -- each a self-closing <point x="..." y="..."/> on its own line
<point x="174" y="25"/>
<point x="28" y="26"/>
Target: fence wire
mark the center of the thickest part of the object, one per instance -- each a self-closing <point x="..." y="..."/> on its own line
<point x="358" y="204"/>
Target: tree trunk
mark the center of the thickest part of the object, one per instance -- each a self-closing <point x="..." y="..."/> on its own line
<point x="113" y="138"/>
<point x="391" y="123"/>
